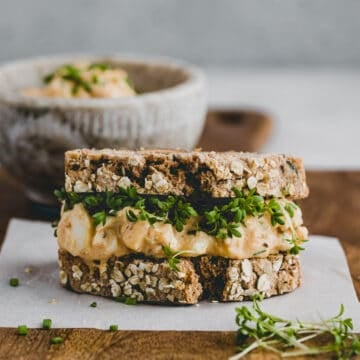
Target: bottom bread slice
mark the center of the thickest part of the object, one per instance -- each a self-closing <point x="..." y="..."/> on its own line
<point x="205" y="277"/>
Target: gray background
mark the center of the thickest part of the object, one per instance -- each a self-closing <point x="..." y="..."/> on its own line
<point x="206" y="32"/>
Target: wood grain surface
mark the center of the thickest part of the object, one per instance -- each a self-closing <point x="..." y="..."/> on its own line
<point x="333" y="208"/>
<point x="246" y="130"/>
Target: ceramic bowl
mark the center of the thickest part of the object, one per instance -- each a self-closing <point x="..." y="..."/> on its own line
<point x="169" y="112"/>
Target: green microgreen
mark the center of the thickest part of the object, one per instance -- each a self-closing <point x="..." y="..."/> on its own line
<point x="22" y="330"/>
<point x="224" y="221"/>
<point x="276" y="213"/>
<point x="113" y="328"/>
<point x="295" y="243"/>
<point x="290" y="208"/>
<point x="14" y="282"/>
<point x="221" y="218"/>
<point x="93" y="304"/>
<point x="171" y="209"/>
<point x="99" y="218"/>
<point x="259" y="329"/>
<point x="46" y="324"/>
<point x="56" y="340"/>
<point x="172" y="257"/>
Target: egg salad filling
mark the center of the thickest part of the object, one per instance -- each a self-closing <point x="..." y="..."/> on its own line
<point x="85" y="80"/>
<point x="96" y="226"/>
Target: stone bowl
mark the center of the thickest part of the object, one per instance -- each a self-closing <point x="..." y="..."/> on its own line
<point x="169" y="112"/>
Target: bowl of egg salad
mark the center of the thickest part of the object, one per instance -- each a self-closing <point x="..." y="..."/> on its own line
<point x="52" y="104"/>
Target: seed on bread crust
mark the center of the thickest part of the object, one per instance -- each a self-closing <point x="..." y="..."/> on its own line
<point x="184" y="173"/>
<point x="204" y="277"/>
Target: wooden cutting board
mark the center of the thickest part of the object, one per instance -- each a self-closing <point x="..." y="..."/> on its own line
<point x="333" y="208"/>
<point x="238" y="130"/>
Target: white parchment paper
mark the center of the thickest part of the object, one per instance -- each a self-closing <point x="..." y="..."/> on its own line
<point x="326" y="284"/>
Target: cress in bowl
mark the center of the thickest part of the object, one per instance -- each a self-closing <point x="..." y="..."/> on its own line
<point x="53" y="104"/>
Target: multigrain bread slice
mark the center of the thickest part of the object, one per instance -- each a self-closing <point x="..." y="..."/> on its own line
<point x="224" y="279"/>
<point x="152" y="280"/>
<point x="184" y="173"/>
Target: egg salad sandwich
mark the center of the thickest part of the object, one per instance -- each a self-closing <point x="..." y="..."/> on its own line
<point x="177" y="227"/>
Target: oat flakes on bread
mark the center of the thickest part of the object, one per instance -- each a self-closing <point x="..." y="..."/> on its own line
<point x="201" y="278"/>
<point x="184" y="173"/>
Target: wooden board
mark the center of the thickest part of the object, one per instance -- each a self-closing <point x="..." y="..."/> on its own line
<point x="333" y="208"/>
<point x="86" y="344"/>
<point x="235" y="130"/>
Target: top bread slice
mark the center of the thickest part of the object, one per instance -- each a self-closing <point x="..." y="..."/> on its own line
<point x="161" y="172"/>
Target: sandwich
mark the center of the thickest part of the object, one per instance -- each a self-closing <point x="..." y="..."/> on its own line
<point x="178" y="227"/>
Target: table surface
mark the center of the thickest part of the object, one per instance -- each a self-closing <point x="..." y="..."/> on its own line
<point x="333" y="209"/>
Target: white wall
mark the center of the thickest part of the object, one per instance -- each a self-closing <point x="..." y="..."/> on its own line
<point x="207" y="32"/>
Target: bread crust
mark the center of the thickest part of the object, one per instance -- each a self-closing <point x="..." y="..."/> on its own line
<point x="184" y="173"/>
<point x="151" y="280"/>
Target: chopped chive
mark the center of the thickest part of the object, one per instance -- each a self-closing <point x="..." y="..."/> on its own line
<point x="56" y="340"/>
<point x="259" y="252"/>
<point x="47" y="324"/>
<point x="48" y="78"/>
<point x="54" y="225"/>
<point x="130" y="301"/>
<point x="22" y="330"/>
<point x="99" y="66"/>
<point x="113" y="328"/>
<point x="93" y="304"/>
<point x="14" y="282"/>
<point x="126" y="300"/>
